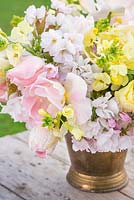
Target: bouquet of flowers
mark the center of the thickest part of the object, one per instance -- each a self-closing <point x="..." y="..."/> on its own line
<point x="66" y="70"/>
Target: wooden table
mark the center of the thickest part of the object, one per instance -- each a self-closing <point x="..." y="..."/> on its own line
<point x="26" y="177"/>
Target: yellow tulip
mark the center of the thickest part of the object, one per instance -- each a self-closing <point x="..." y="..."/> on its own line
<point x="125" y="98"/>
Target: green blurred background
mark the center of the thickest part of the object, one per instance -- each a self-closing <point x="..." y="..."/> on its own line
<point x="8" y="8"/>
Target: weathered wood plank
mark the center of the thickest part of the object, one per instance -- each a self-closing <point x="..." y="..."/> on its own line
<point x="33" y="178"/>
<point x="129" y="190"/>
<point x="5" y="194"/>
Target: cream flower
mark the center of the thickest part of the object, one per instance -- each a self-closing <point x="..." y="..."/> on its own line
<point x="101" y="82"/>
<point x="21" y="32"/>
<point x="4" y="64"/>
<point x="14" y="53"/>
<point x="68" y="112"/>
<point x="118" y="74"/>
<point x="77" y="132"/>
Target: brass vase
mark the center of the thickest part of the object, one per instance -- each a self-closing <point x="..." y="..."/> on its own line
<point x="99" y="172"/>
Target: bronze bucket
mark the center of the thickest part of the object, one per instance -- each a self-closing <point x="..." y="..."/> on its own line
<point x="99" y="172"/>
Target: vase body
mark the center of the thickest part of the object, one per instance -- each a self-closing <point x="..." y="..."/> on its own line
<point x="99" y="172"/>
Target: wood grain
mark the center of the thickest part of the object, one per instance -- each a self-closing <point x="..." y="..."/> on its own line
<point x="5" y="194"/>
<point x="35" y="179"/>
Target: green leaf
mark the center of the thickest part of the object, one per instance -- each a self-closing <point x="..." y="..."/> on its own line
<point x="94" y="115"/>
<point x="130" y="71"/>
<point x="16" y="20"/>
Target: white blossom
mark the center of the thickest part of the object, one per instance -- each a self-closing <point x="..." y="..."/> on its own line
<point x="106" y="107"/>
<point x="32" y="14"/>
<point x="91" y="129"/>
<point x="40" y="13"/>
<point x="50" y="41"/>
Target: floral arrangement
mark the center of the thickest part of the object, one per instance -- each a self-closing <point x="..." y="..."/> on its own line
<point x="66" y="70"/>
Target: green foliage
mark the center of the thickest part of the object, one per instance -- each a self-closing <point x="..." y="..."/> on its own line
<point x="48" y="121"/>
<point x="111" y="54"/>
<point x="8" y="127"/>
<point x="102" y="25"/>
<point x="2" y="43"/>
<point x="17" y="7"/>
<point x="16" y="20"/>
<point x="130" y="74"/>
<point x="94" y="115"/>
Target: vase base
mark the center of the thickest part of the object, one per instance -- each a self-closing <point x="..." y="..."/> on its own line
<point x="98" y="184"/>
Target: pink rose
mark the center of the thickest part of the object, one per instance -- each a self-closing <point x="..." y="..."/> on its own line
<point x="3" y="94"/>
<point x="44" y="93"/>
<point x="27" y="71"/>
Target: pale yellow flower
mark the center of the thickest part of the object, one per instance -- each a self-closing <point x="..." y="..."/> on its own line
<point x="68" y="112"/>
<point x="125" y="98"/>
<point x="59" y="133"/>
<point x="14" y="53"/>
<point x="89" y="37"/>
<point x="42" y="112"/>
<point x="20" y="33"/>
<point x="118" y="74"/>
<point x="77" y="133"/>
<point x="101" y="82"/>
<point x="4" y="65"/>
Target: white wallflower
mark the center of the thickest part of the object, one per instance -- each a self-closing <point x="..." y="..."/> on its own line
<point x="76" y="39"/>
<point x="77" y="24"/>
<point x="106" y="107"/>
<point x="65" y="52"/>
<point x="84" y="69"/>
<point x="50" y="20"/>
<point x="50" y="41"/>
<point x="41" y="12"/>
<point x="108" y="141"/>
<point x="91" y="129"/>
<point x="60" y="18"/>
<point x="30" y="16"/>
<point x="15" y="109"/>
<point x="63" y="6"/>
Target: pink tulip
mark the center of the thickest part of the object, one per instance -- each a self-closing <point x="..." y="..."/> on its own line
<point x="28" y="70"/>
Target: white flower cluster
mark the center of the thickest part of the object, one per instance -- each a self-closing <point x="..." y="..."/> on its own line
<point x="66" y="42"/>
<point x="63" y="37"/>
<point x="33" y="14"/>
